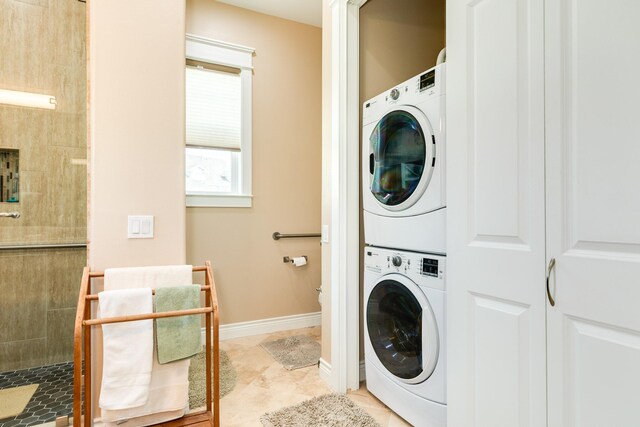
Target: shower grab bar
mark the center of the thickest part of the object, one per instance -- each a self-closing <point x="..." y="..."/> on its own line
<point x="43" y="246"/>
<point x="13" y="214"/>
<point x="277" y="235"/>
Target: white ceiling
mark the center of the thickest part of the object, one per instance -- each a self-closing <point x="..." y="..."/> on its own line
<point x="305" y="11"/>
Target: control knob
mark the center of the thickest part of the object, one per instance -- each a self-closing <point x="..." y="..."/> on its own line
<point x="396" y="261"/>
<point x="395" y="93"/>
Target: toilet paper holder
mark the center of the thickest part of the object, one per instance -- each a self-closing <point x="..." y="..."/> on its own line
<point x="288" y="259"/>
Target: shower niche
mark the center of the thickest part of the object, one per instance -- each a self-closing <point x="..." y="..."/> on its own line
<point x="9" y="176"/>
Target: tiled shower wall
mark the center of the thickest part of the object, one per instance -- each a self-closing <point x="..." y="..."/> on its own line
<point x="38" y="297"/>
<point x="42" y="45"/>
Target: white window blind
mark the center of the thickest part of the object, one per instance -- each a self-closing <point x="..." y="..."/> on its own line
<point x="213" y="108"/>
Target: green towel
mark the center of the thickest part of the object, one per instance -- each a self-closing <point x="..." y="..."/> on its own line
<point x="177" y="337"/>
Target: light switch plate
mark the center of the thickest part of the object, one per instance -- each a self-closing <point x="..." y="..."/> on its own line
<point x="140" y="227"/>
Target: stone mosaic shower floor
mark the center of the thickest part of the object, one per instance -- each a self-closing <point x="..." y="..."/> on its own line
<point x="54" y="397"/>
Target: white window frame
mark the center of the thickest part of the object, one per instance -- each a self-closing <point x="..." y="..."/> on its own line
<point x="241" y="57"/>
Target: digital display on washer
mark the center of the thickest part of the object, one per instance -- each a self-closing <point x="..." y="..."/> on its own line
<point x="429" y="267"/>
<point x="428" y="80"/>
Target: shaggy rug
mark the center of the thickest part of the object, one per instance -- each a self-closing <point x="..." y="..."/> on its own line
<point x="294" y="352"/>
<point x="14" y="400"/>
<point x="329" y="410"/>
<point x="197" y="378"/>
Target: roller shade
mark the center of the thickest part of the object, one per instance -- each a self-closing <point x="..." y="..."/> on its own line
<point x="213" y="110"/>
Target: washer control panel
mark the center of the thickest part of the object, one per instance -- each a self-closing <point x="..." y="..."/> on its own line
<point x="423" y="269"/>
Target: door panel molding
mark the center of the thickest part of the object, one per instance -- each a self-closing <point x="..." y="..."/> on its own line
<point x="496" y="220"/>
<point x="501" y="111"/>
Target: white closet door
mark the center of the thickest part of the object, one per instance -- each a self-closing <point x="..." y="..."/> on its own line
<point x="593" y="202"/>
<point x="496" y="213"/>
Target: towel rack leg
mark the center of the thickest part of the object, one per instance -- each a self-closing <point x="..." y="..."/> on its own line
<point x="216" y="377"/>
<point x="81" y="312"/>
<point x="77" y="383"/>
<point x="208" y="346"/>
<point x="87" y="367"/>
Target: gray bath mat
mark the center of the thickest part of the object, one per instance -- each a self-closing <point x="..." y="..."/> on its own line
<point x="294" y="352"/>
<point x="329" y="410"/>
<point x="197" y="378"/>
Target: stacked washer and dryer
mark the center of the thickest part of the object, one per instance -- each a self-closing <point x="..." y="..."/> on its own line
<point x="403" y="175"/>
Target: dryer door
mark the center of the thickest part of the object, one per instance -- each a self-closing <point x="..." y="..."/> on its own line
<point x="402" y="158"/>
<point x="402" y="329"/>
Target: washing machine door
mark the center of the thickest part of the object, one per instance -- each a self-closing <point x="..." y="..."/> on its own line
<point x="402" y="154"/>
<point x="402" y="329"/>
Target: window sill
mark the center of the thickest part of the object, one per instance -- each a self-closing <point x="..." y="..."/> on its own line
<point x="217" y="201"/>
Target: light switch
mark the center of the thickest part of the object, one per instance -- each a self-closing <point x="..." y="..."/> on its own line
<point x="140" y="227"/>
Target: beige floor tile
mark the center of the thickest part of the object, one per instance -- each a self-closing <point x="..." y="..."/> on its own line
<point x="265" y="386"/>
<point x="396" y="421"/>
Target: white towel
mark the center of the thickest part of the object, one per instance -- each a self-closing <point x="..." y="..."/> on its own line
<point x="126" y="373"/>
<point x="169" y="387"/>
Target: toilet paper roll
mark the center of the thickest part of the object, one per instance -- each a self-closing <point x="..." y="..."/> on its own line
<point x="299" y="261"/>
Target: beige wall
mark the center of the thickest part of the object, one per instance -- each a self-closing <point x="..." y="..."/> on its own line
<point x="136" y="108"/>
<point x="42" y="50"/>
<point x="252" y="281"/>
<point x="398" y="40"/>
<point x="136" y="137"/>
<point x="326" y="178"/>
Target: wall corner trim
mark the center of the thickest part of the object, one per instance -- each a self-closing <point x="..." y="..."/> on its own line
<point x="324" y="370"/>
<point x="345" y="199"/>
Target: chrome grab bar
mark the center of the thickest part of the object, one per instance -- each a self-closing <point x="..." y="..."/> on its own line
<point x="13" y="214"/>
<point x="277" y="235"/>
<point x="43" y="246"/>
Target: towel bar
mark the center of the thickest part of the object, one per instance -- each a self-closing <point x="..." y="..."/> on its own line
<point x="153" y="291"/>
<point x="134" y="317"/>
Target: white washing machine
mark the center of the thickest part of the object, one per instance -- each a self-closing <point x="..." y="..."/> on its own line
<point x="403" y="165"/>
<point x="404" y="322"/>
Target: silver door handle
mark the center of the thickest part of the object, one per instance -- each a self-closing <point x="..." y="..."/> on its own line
<point x="10" y="215"/>
<point x="552" y="263"/>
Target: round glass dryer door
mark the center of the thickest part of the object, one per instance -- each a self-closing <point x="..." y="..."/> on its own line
<point x="402" y="329"/>
<point x="402" y="158"/>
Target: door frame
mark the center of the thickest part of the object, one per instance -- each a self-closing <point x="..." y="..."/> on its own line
<point x="345" y="196"/>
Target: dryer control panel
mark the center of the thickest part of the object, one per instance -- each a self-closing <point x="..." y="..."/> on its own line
<point x="423" y="269"/>
<point x="424" y="87"/>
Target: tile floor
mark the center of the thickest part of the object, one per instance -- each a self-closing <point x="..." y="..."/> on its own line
<point x="53" y="398"/>
<point x="264" y="386"/>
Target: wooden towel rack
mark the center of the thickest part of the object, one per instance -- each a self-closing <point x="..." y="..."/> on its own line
<point x="82" y="343"/>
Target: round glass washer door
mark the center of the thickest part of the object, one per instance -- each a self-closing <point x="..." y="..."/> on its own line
<point x="402" y="329"/>
<point x="402" y="155"/>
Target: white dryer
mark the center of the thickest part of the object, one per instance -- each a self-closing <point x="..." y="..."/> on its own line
<point x="403" y="165"/>
<point x="404" y="322"/>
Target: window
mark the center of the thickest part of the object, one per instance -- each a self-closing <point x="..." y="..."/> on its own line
<point x="218" y="123"/>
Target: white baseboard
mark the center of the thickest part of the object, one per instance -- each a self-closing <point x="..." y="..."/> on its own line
<point x="325" y="372"/>
<point x="324" y="368"/>
<point x="266" y="326"/>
